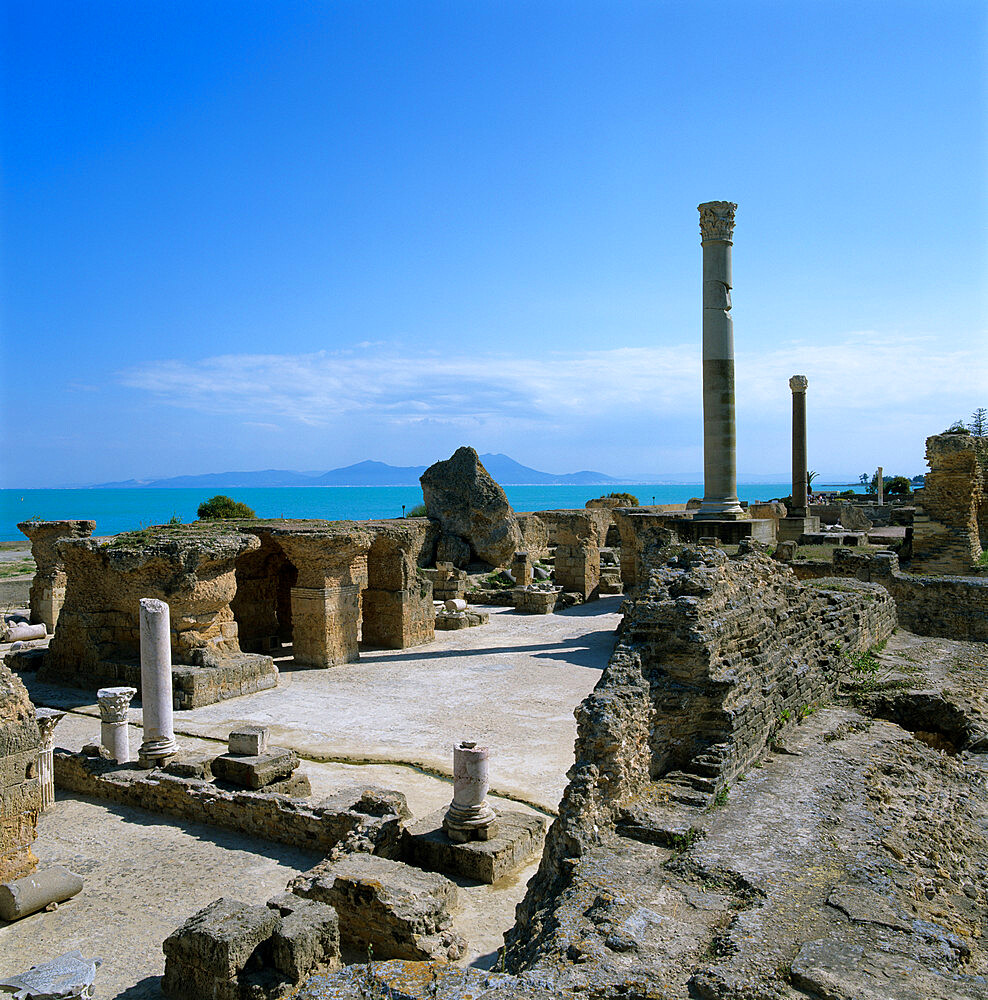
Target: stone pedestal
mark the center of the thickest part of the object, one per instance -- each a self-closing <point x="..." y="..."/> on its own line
<point x="156" y="684"/>
<point x="720" y="491"/>
<point x="114" y="734"/>
<point x="48" y="719"/>
<point x="519" y="836"/>
<point x="792" y="529"/>
<point x="470" y="816"/>
<point x="521" y="569"/>
<point x="727" y="532"/>
<point x="800" y="487"/>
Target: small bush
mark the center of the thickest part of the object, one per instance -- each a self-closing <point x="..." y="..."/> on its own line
<point x="223" y="508"/>
<point x="848" y="494"/>
<point x="417" y="511"/>
<point x="626" y="498"/>
<point x="957" y="427"/>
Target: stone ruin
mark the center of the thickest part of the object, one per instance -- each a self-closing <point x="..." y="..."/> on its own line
<point x="237" y="594"/>
<point x="950" y="527"/>
<point x="48" y="587"/>
<point x="20" y="784"/>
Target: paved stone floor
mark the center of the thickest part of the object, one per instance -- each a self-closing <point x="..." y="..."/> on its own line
<point x="390" y="719"/>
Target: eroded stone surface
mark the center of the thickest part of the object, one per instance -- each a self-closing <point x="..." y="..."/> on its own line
<point x="401" y="911"/>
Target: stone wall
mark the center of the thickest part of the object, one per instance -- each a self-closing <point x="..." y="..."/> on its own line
<point x="712" y="660"/>
<point x="951" y="521"/>
<point x="48" y="586"/>
<point x="370" y="816"/>
<point x="20" y="787"/>
<point x="954" y="607"/>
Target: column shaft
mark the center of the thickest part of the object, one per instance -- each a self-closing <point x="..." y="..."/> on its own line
<point x="156" y="683"/>
<point x="720" y="491"/>
<point x="800" y="488"/>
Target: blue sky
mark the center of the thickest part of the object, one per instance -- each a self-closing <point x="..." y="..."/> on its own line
<point x="248" y="235"/>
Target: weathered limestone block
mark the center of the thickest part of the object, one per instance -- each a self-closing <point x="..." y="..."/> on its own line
<point x="537" y="599"/>
<point x="20" y="784"/>
<point x="191" y="568"/>
<point x="255" y="771"/>
<point x="463" y="497"/>
<point x="518" y="837"/>
<point x="448" y="582"/>
<point x="233" y="951"/>
<point x="48" y="586"/>
<point x="399" y="910"/>
<point x="208" y="954"/>
<point x="247" y="741"/>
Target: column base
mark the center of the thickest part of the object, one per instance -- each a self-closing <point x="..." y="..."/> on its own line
<point x="155" y="753"/>
<point x="730" y="531"/>
<point x="791" y="529"/>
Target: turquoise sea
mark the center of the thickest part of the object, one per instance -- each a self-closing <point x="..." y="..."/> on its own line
<point x="129" y="509"/>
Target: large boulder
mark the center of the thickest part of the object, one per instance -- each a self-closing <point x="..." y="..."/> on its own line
<point x="469" y="505"/>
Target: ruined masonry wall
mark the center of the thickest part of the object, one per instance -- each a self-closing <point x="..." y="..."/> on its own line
<point x="321" y="826"/>
<point x="946" y="530"/>
<point x="711" y="658"/>
<point x="48" y="586"/>
<point x="20" y="787"/>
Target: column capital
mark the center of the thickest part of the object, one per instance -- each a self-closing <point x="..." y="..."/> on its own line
<point x="114" y="702"/>
<point x="48" y="719"/>
<point x="717" y="220"/>
<point x="798" y="383"/>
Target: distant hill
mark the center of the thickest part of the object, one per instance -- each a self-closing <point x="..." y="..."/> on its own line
<point x="505" y="470"/>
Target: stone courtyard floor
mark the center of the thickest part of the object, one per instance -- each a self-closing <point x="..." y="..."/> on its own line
<point x="390" y="719"/>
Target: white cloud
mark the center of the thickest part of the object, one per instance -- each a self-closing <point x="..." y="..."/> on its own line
<point x="860" y="372"/>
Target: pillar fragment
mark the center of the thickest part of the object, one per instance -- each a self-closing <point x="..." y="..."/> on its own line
<point x="800" y="487"/>
<point x="156" y="684"/>
<point x="470" y="816"/>
<point x="720" y="490"/>
<point x="880" y="484"/>
<point x="48" y="719"/>
<point x="114" y="734"/>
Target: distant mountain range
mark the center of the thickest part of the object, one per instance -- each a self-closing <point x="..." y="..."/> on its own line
<point x="505" y="471"/>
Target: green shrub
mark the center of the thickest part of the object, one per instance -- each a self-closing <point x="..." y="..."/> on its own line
<point x="897" y="485"/>
<point x="417" y="511"/>
<point x="223" y="508"/>
<point x="626" y="498"/>
<point x="847" y="493"/>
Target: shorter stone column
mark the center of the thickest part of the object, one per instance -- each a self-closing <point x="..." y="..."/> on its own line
<point x="156" y="684"/>
<point x="470" y="816"/>
<point x="48" y="719"/>
<point x="800" y="487"/>
<point x="113" y="705"/>
<point x="880" y="486"/>
<point x="521" y="569"/>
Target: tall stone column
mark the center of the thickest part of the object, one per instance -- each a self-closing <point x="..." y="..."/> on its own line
<point x="114" y="735"/>
<point x="880" y="485"/>
<point x="800" y="487"/>
<point x="48" y="719"/>
<point x="156" y="684"/>
<point x="720" y="490"/>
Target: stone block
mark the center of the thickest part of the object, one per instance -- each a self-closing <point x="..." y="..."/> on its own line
<point x="257" y="771"/>
<point x="248" y="741"/>
<point x="307" y="939"/>
<point x="198" y="765"/>
<point x="399" y="910"/>
<point x="519" y="836"/>
<point x="207" y="954"/>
